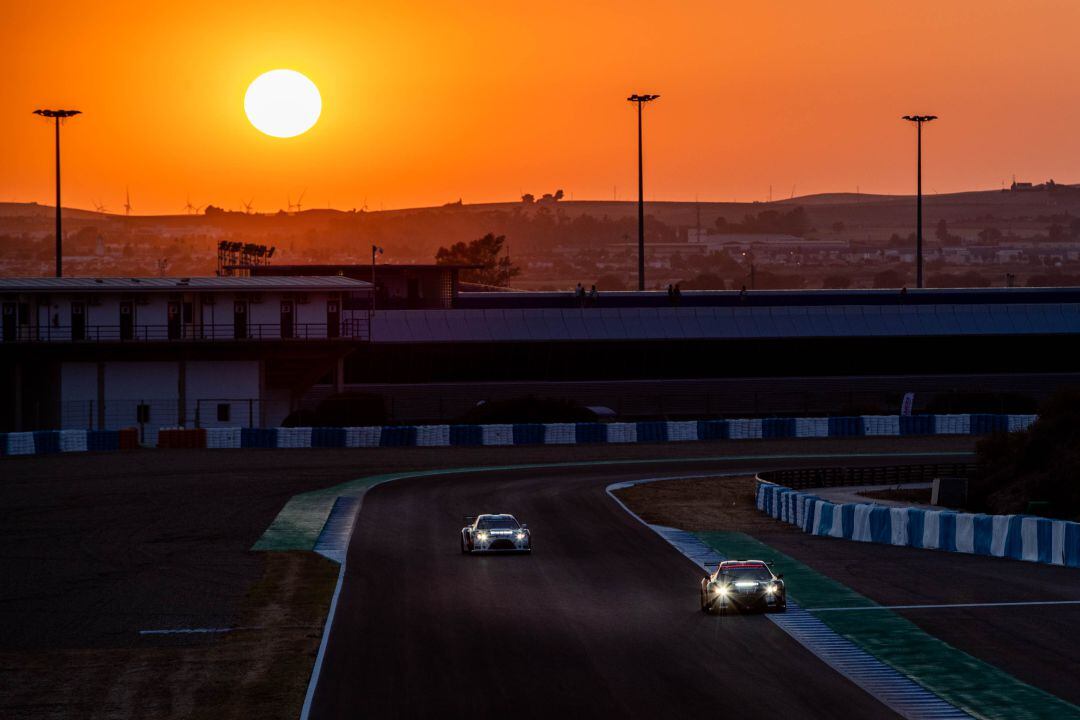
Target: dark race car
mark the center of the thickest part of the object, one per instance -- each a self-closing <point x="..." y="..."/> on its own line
<point x="495" y="533"/>
<point x="745" y="586"/>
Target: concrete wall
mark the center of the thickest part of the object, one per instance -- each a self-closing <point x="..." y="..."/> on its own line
<point x="127" y="384"/>
<point x="157" y="384"/>
<point x="212" y="383"/>
<point x="78" y="391"/>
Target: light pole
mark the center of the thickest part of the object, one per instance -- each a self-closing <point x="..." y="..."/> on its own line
<point x="919" y="120"/>
<point x="640" y="100"/>
<point x="57" y="116"/>
<point x="375" y="249"/>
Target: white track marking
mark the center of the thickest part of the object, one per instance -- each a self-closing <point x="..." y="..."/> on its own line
<point x="890" y="687"/>
<point x="190" y="631"/>
<point x="305" y="712"/>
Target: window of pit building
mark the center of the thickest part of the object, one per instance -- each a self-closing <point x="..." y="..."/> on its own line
<point x="223" y="412"/>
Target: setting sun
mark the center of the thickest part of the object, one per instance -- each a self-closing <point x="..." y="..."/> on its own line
<point x="282" y="103"/>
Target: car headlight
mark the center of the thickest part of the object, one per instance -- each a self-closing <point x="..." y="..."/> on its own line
<point x="720" y="589"/>
<point x="481" y="536"/>
<point x="771" y="589"/>
<point x="520" y="536"/>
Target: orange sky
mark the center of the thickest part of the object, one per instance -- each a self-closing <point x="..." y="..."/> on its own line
<point x="427" y="102"/>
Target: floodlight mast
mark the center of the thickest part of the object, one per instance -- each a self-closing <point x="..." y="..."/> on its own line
<point x="57" y="116"/>
<point x="641" y="100"/>
<point x="918" y="120"/>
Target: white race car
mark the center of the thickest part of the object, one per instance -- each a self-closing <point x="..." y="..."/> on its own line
<point x="495" y="533"/>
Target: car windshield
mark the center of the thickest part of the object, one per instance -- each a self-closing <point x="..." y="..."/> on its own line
<point x="735" y="574"/>
<point x="497" y="522"/>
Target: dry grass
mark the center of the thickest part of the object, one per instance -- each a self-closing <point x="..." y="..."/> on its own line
<point x="260" y="672"/>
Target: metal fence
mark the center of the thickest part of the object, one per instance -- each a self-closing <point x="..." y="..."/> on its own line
<point x="150" y="414"/>
<point x="801" y="478"/>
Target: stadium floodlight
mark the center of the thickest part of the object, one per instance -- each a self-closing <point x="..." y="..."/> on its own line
<point x="918" y="120"/>
<point x="641" y="100"/>
<point x="57" y="116"/>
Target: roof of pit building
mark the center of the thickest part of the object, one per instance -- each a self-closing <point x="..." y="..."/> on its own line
<point x="520" y="317"/>
<point x="771" y="298"/>
<point x="212" y="283"/>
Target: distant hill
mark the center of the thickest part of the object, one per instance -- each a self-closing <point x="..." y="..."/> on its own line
<point x="414" y="234"/>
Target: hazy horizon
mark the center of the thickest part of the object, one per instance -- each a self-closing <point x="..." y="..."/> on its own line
<point x="424" y="104"/>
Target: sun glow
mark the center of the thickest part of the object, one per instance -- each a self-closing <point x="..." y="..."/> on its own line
<point x="282" y="103"/>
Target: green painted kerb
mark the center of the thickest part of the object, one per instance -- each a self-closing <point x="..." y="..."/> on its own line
<point x="299" y="523"/>
<point x="971" y="684"/>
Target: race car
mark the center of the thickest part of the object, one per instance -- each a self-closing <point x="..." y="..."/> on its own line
<point x="745" y="586"/>
<point x="495" y="533"/>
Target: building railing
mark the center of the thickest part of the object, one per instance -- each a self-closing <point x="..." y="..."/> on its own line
<point x="347" y="329"/>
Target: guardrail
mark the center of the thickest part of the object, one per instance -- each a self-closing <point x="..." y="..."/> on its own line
<point x="546" y="433"/>
<point x="1020" y="537"/>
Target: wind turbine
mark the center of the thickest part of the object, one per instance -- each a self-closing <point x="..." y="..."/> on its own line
<point x="99" y="207"/>
<point x="299" y="199"/>
<point x="191" y="209"/>
<point x="247" y="206"/>
<point x="127" y="201"/>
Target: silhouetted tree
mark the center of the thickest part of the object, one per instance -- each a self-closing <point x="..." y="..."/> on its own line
<point x="487" y="253"/>
<point x="942" y="231"/>
<point x="704" y="281"/>
<point x="611" y="281"/>
<point x="888" y="279"/>
<point x="836" y="281"/>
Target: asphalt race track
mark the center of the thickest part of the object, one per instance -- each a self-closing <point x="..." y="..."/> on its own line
<point x="601" y="620"/>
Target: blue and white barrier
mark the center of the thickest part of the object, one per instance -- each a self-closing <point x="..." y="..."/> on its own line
<point x="658" y="431"/>
<point x="1020" y="537"/>
<point x="223" y="437"/>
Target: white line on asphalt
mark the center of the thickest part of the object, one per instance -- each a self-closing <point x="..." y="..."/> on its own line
<point x="946" y="606"/>
<point x="186" y="631"/>
<point x="305" y="711"/>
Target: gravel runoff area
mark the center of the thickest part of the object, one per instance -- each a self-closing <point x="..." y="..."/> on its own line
<point x="1035" y="644"/>
<point x="96" y="547"/>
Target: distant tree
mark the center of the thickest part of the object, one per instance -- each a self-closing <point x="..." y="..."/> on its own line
<point x="836" y="281"/>
<point x="793" y="222"/>
<point x="990" y="235"/>
<point x="888" y="279"/>
<point x="559" y="194"/>
<point x="528" y="198"/>
<point x="969" y="279"/>
<point x="765" y="280"/>
<point x="486" y="252"/>
<point x="704" y="281"/>
<point x="942" y="231"/>
<point x="611" y="281"/>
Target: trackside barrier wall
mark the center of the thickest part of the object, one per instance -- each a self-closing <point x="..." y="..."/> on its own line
<point x="1020" y="537"/>
<point x="62" y="441"/>
<point x="48" y="442"/>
